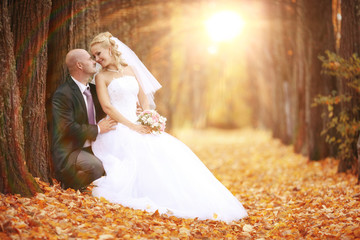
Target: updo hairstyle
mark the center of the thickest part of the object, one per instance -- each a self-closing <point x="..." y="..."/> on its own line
<point x="105" y="40"/>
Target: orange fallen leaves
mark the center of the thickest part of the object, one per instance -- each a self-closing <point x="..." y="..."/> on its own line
<point x="285" y="196"/>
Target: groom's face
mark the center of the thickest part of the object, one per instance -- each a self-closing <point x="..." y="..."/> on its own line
<point x="89" y="65"/>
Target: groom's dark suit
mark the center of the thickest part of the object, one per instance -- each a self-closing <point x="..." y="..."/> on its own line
<point x="71" y="129"/>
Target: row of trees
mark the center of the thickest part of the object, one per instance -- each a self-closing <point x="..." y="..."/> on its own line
<point x="284" y="69"/>
<point x="292" y="76"/>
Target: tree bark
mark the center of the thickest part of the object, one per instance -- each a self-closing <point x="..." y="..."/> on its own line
<point x="350" y="44"/>
<point x="14" y="176"/>
<point x="73" y="24"/>
<point x="30" y="48"/>
<point x="318" y="19"/>
<point x="301" y="73"/>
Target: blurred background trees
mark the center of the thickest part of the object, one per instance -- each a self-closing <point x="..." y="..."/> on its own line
<point x="266" y="76"/>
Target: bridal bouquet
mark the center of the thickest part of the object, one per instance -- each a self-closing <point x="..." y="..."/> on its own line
<point x="152" y="119"/>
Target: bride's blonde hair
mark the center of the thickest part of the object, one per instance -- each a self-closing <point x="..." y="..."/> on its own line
<point x="105" y="40"/>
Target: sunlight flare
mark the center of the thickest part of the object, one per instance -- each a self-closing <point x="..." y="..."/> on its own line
<point x="224" y="26"/>
<point x="212" y="49"/>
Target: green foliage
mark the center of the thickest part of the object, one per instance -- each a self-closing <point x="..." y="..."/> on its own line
<point x="342" y="127"/>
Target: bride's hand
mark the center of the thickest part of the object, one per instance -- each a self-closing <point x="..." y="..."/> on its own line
<point x="142" y="129"/>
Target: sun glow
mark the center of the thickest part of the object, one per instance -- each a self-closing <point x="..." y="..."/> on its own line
<point x="224" y="26"/>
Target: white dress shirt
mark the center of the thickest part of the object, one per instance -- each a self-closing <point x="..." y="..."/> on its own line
<point x="82" y="88"/>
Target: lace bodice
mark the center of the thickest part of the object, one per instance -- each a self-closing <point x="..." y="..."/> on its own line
<point x="123" y="93"/>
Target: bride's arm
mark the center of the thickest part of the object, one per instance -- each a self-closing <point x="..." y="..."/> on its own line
<point x="144" y="103"/>
<point x="110" y="110"/>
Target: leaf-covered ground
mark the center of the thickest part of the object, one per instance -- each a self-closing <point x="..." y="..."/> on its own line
<point x="286" y="197"/>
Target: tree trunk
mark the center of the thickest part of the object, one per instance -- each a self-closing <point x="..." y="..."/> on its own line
<point x="73" y="24"/>
<point x="350" y="44"/>
<point x="282" y="38"/>
<point x="30" y="49"/>
<point x="14" y="176"/>
<point x="289" y="83"/>
<point x="318" y="20"/>
<point x="277" y="69"/>
<point x="301" y="72"/>
<point x="298" y="33"/>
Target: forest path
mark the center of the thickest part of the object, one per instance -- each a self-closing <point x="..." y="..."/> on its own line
<point x="286" y="197"/>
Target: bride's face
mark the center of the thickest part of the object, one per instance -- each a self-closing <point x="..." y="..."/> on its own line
<point x="101" y="55"/>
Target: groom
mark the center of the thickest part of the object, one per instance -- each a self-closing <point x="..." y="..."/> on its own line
<point x="76" y="110"/>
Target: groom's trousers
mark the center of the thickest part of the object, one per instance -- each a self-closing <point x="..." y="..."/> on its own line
<point x="82" y="168"/>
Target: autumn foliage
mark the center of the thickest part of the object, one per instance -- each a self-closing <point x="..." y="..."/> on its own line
<point x="286" y="196"/>
<point x="342" y="108"/>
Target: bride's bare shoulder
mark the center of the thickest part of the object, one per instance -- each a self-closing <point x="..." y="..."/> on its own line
<point x="101" y="77"/>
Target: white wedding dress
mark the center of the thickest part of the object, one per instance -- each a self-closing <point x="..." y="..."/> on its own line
<point x="157" y="172"/>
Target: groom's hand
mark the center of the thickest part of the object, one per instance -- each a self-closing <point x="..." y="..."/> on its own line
<point x="106" y="125"/>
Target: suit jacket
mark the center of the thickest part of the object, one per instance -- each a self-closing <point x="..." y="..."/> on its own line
<point x="71" y="127"/>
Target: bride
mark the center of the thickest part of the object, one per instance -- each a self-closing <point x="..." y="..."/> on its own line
<point x="147" y="171"/>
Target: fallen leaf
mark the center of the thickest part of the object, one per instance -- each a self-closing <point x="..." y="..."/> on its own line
<point x="248" y="228"/>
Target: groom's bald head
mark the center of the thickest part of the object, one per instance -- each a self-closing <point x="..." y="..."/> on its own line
<point x="75" y="56"/>
<point x="80" y="64"/>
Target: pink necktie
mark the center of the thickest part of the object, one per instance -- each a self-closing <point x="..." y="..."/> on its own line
<point x="90" y="103"/>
